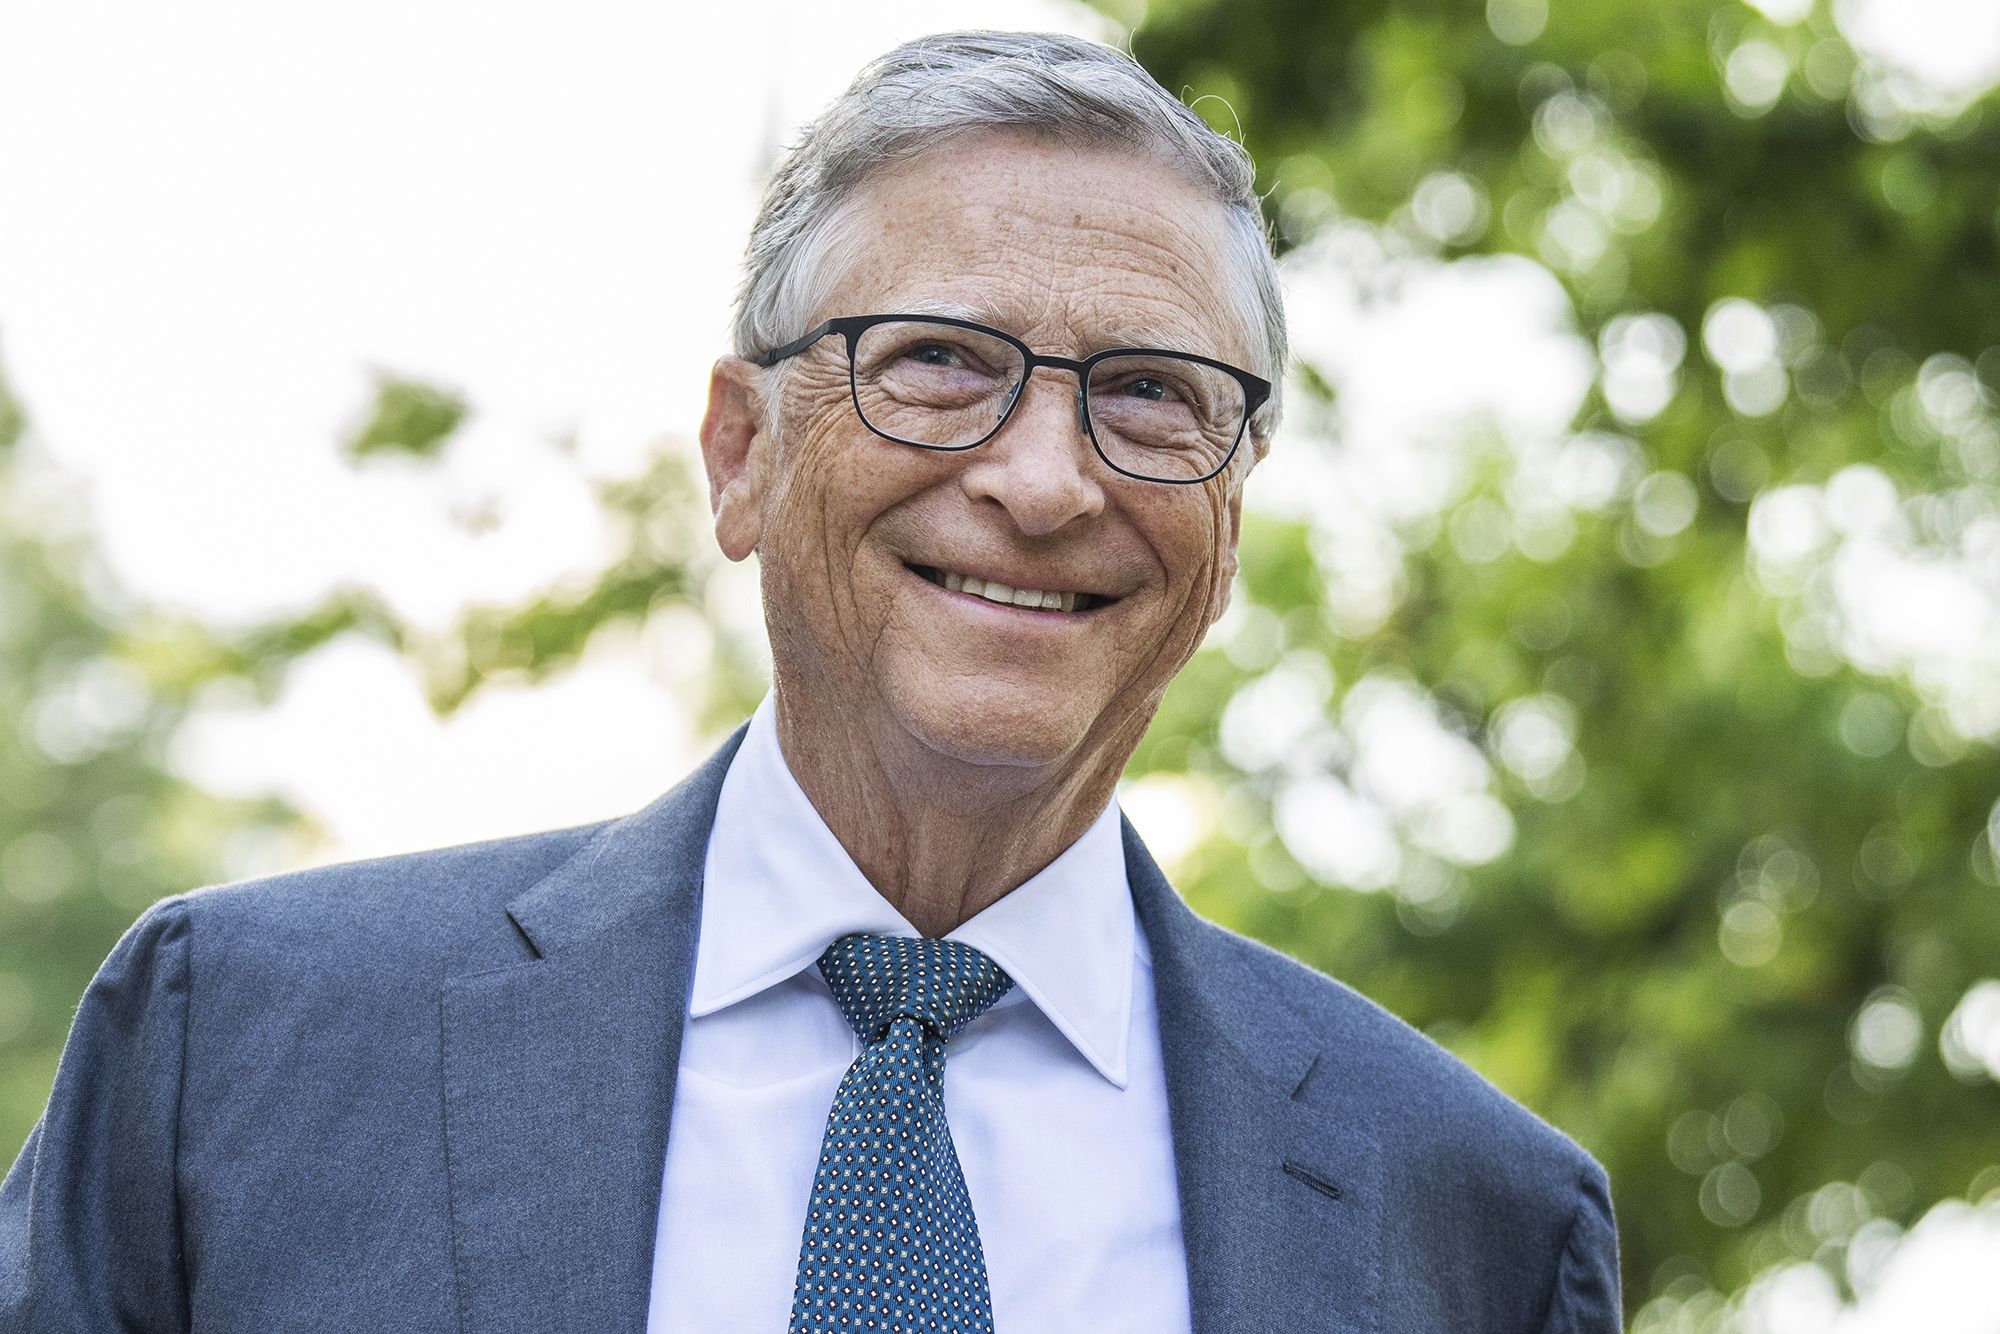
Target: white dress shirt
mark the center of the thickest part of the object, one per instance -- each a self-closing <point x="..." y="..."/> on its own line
<point x="1055" y="1096"/>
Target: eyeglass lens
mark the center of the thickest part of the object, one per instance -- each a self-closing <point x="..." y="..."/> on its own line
<point x="1159" y="415"/>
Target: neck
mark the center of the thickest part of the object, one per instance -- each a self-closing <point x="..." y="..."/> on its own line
<point x="939" y="837"/>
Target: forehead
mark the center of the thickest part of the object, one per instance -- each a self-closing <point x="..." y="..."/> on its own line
<point x="1070" y="247"/>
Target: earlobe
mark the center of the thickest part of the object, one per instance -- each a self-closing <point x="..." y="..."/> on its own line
<point x="734" y="451"/>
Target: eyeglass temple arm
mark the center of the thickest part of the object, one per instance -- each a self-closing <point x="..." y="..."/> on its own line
<point x="796" y="346"/>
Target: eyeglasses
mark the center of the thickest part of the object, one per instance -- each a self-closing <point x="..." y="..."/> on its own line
<point x="949" y="384"/>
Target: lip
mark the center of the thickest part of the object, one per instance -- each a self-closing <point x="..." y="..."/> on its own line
<point x="1016" y="578"/>
<point x="1018" y="615"/>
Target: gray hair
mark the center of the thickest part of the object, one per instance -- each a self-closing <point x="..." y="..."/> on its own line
<point x="934" y="89"/>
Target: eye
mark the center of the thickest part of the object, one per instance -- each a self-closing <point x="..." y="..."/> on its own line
<point x="1148" y="387"/>
<point x="941" y="355"/>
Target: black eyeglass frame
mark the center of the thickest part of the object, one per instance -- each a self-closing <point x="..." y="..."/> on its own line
<point x="1256" y="390"/>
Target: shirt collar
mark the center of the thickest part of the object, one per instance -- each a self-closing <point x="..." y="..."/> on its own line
<point x="779" y="888"/>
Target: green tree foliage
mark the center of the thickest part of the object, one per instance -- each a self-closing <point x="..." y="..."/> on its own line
<point x="1751" y="874"/>
<point x="94" y="824"/>
<point x="409" y="417"/>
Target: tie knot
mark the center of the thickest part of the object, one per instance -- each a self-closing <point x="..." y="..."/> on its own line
<point x="941" y="982"/>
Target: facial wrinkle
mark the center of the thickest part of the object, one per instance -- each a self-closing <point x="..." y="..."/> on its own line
<point x="955" y="751"/>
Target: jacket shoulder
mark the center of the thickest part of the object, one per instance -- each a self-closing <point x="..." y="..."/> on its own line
<point x="430" y="912"/>
<point x="1407" y="1088"/>
<point x="1490" y="1218"/>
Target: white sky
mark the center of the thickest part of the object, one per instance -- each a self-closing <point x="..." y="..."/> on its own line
<point x="224" y="214"/>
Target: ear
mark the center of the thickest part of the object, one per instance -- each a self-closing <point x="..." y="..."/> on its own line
<point x="736" y="452"/>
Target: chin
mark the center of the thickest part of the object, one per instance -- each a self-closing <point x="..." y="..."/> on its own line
<point x="992" y="722"/>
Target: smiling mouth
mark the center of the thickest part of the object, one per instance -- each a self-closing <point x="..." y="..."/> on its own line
<point x="1026" y="599"/>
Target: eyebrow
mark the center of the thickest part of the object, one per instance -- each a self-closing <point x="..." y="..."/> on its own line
<point x="1128" y="335"/>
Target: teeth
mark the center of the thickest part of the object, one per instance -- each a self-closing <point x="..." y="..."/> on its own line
<point x="993" y="591"/>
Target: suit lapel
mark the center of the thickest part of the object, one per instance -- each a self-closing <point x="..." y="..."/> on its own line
<point x="559" y="1076"/>
<point x="1281" y="1207"/>
<point x="559" y="1083"/>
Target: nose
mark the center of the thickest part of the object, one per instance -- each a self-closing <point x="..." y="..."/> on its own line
<point x="1040" y="468"/>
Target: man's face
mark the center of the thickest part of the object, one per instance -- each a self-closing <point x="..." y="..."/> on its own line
<point x="1071" y="250"/>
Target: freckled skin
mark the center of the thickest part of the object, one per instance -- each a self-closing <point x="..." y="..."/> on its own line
<point x="953" y="753"/>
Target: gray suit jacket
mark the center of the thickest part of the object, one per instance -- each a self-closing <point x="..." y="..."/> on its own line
<point x="431" y="1092"/>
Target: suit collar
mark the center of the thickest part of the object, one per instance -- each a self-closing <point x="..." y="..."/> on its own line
<point x="636" y="866"/>
<point x="781" y="887"/>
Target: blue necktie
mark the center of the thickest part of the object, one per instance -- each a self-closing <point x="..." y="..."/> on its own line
<point x="890" y="1244"/>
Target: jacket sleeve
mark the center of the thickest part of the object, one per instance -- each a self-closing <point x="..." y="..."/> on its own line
<point x="90" y="1235"/>
<point x="1585" y="1299"/>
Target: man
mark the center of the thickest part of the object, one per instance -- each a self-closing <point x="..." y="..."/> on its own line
<point x="884" y="1019"/>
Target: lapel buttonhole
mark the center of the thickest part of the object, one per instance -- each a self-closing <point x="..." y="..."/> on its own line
<point x="1318" y="1183"/>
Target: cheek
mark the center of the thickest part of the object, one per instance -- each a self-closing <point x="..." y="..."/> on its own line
<point x="807" y="523"/>
<point x="814" y="423"/>
<point x="812" y="412"/>
<point x="1189" y="537"/>
<point x="836" y="485"/>
<point x="1203" y="570"/>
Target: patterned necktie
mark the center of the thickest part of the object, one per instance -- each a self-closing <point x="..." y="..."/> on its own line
<point x="890" y="1244"/>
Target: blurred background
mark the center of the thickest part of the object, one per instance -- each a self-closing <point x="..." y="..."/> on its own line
<point x="1613" y="688"/>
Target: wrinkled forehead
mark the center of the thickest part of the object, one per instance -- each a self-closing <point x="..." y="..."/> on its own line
<point x="1072" y="248"/>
